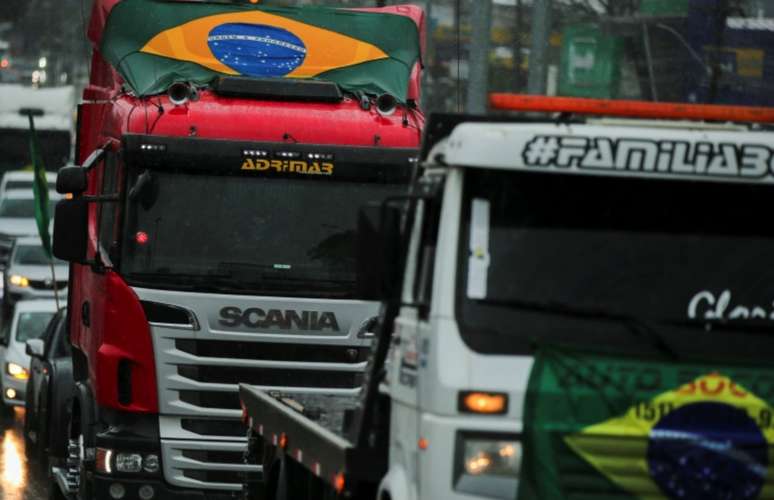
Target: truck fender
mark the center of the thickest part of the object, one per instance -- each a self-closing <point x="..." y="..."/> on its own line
<point x="395" y="485"/>
<point x="83" y="411"/>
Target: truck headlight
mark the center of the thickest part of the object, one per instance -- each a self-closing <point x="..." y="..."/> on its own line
<point x="488" y="465"/>
<point x="17" y="371"/>
<point x="19" y="280"/>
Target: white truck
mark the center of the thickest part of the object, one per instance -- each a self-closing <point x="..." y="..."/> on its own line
<point x="585" y="311"/>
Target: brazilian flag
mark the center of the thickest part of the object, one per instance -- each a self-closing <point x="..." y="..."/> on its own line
<point x="153" y="44"/>
<point x="40" y="189"/>
<point x="600" y="427"/>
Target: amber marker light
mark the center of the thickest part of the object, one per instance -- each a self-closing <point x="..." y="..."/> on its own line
<point x="483" y="402"/>
<point x="339" y="483"/>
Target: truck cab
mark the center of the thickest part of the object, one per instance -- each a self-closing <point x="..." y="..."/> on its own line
<point x="210" y="227"/>
<point x="586" y="309"/>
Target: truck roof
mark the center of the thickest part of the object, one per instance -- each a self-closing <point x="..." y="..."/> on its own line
<point x="680" y="151"/>
<point x="57" y="104"/>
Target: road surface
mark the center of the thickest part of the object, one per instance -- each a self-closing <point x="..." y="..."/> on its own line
<point x="18" y="479"/>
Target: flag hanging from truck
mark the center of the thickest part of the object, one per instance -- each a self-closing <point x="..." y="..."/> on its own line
<point x="626" y="428"/>
<point x="40" y="190"/>
<point x="153" y="44"/>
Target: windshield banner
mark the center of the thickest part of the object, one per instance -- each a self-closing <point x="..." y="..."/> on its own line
<point x="624" y="428"/>
<point x="154" y="44"/>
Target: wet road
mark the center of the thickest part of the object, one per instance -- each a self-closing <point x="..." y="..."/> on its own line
<point x="18" y="479"/>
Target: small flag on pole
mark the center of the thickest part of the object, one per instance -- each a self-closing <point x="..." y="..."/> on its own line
<point x="40" y="190"/>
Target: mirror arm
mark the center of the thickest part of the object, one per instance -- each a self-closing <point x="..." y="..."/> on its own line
<point x="95" y="156"/>
<point x="93" y="159"/>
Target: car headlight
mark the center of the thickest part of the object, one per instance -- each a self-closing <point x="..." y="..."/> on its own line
<point x="19" y="280"/>
<point x="488" y="465"/>
<point x="17" y="371"/>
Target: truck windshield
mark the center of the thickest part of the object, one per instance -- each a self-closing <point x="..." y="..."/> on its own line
<point x="231" y="234"/>
<point x="542" y="254"/>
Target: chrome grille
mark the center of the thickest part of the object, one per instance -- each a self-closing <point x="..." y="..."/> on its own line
<point x="198" y="371"/>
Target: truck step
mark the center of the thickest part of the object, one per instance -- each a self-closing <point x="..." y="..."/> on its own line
<point x="64" y="481"/>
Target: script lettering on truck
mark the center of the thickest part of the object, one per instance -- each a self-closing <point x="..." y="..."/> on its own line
<point x="257" y="318"/>
<point x="301" y="167"/>
<point x="666" y="157"/>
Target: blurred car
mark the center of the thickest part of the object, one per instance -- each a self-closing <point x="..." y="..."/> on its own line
<point x="22" y="179"/>
<point x="29" y="321"/>
<point x="28" y="273"/>
<point x="49" y="388"/>
<point x="17" y="217"/>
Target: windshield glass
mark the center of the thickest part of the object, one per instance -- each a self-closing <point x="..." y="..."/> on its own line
<point x="32" y="255"/>
<point x="22" y="207"/>
<point x="543" y="257"/>
<point x="31" y="325"/>
<point x="235" y="234"/>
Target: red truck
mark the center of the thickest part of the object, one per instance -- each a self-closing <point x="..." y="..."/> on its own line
<point x="223" y="151"/>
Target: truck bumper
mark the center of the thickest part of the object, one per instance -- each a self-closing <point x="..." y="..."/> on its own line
<point x="161" y="491"/>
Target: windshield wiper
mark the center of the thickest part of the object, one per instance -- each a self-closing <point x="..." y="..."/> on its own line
<point x="633" y="324"/>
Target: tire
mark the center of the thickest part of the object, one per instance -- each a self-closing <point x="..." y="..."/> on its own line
<point x="31" y="451"/>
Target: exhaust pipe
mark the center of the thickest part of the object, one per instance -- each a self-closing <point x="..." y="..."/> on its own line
<point x="386" y="104"/>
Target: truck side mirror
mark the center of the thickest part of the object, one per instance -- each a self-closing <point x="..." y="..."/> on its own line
<point x="71" y="230"/>
<point x="35" y="348"/>
<point x="379" y="241"/>
<point x="71" y="180"/>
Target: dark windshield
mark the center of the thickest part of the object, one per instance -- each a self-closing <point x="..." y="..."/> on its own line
<point x="22" y="207"/>
<point x="32" y="255"/>
<point x="31" y="325"/>
<point x="234" y="234"/>
<point x="541" y="253"/>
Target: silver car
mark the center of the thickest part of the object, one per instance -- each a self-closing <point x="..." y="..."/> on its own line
<point x="29" y="321"/>
<point x="28" y="274"/>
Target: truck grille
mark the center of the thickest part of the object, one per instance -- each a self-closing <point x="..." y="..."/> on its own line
<point x="198" y="372"/>
<point x="209" y="465"/>
<point x="270" y="377"/>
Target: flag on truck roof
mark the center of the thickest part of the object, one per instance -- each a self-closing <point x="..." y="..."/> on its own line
<point x="154" y="43"/>
<point x="615" y="427"/>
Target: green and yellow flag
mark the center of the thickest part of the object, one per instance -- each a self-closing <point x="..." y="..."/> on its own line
<point x="40" y="189"/>
<point x="620" y="428"/>
<point x="154" y="44"/>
